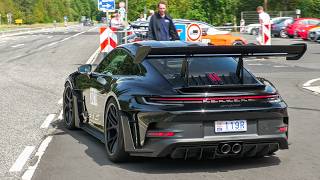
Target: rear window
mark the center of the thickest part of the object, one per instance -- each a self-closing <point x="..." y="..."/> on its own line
<point x="202" y="71"/>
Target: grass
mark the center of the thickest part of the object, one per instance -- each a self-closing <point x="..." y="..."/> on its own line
<point x="6" y="27"/>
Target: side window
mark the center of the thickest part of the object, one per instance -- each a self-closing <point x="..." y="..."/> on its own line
<point x="119" y="62"/>
<point x="313" y="22"/>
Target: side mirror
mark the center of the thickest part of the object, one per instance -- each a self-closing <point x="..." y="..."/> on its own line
<point x="85" y="69"/>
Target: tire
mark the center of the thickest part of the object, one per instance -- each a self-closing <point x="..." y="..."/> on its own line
<point x="254" y="32"/>
<point x="291" y="36"/>
<point x="113" y="134"/>
<point x="237" y="43"/>
<point x="295" y="35"/>
<point x="283" y="34"/>
<point x="68" y="108"/>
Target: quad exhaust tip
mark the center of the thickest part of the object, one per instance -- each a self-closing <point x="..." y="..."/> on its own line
<point x="227" y="148"/>
<point x="236" y="148"/>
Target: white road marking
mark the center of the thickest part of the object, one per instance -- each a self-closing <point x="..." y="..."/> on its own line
<point x="49" y="37"/>
<point x="22" y="159"/>
<point x="47" y="121"/>
<point x="42" y="148"/>
<point x="250" y="60"/>
<point x="314" y="89"/>
<point x="67" y="38"/>
<point x="280" y="66"/>
<point x="257" y="64"/>
<point x="60" y="115"/>
<point x="3" y="41"/>
<point x="93" y="56"/>
<point x="60" y="101"/>
<point x="51" y="44"/>
<point x="18" y="45"/>
<point x="308" y="83"/>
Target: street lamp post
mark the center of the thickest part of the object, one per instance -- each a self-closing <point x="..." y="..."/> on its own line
<point x="265" y="5"/>
<point x="127" y="10"/>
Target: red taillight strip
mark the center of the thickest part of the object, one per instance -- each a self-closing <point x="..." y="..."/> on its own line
<point x="160" y="134"/>
<point x="212" y="98"/>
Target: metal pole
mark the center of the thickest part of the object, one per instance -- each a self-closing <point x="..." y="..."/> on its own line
<point x="127" y="10"/>
<point x="107" y="18"/>
<point x="266" y="5"/>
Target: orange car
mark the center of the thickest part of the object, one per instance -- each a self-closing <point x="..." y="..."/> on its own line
<point x="223" y="39"/>
<point x="213" y="36"/>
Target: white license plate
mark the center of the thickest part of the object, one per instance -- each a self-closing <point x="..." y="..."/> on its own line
<point x="230" y="126"/>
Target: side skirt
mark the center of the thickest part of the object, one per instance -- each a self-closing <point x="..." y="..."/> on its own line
<point x="94" y="132"/>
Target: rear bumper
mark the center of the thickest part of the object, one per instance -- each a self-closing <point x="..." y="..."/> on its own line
<point x="213" y="152"/>
<point x="206" y="148"/>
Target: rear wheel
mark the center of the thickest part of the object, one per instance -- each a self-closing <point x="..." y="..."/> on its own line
<point x="113" y="134"/>
<point x="283" y="34"/>
<point x="238" y="43"/>
<point x="68" y="107"/>
<point x="254" y="32"/>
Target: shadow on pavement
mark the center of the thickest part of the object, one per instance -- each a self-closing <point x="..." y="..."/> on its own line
<point x="95" y="150"/>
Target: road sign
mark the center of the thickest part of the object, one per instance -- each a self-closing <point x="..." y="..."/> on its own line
<point x="106" y="5"/>
<point x="194" y="32"/>
<point x="182" y="31"/>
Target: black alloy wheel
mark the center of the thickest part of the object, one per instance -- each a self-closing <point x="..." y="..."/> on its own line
<point x="112" y="129"/>
<point x="254" y="32"/>
<point x="68" y="108"/>
<point x="114" y="142"/>
<point x="238" y="43"/>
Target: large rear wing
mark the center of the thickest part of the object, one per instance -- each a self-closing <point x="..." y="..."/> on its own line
<point x="291" y="52"/>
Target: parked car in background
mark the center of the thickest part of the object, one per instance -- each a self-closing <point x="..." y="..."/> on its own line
<point x="298" y="24"/>
<point x="252" y="29"/>
<point x="87" y="22"/>
<point x="278" y="26"/>
<point x="314" y="34"/>
<point x="304" y="31"/>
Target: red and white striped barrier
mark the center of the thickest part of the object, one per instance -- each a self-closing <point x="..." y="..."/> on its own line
<point x="266" y="34"/>
<point x="108" y="39"/>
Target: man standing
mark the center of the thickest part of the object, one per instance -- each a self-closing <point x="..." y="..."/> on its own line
<point x="265" y="31"/>
<point x="161" y="27"/>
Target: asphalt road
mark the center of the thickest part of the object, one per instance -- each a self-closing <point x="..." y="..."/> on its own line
<point x="33" y="67"/>
<point x="32" y="83"/>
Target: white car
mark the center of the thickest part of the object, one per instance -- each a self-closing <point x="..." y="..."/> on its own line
<point x="252" y="29"/>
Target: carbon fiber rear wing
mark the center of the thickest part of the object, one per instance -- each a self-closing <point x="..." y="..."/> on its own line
<point x="291" y="52"/>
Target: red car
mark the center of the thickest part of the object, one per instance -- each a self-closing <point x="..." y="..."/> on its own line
<point x="299" y="23"/>
<point x="304" y="31"/>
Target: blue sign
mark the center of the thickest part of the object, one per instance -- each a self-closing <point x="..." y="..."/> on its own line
<point x="106" y="5"/>
<point x="182" y="31"/>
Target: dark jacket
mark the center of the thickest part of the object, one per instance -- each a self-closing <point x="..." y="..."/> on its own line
<point x="154" y="28"/>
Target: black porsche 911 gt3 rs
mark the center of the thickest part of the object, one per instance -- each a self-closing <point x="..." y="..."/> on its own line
<point x="179" y="100"/>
